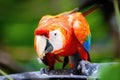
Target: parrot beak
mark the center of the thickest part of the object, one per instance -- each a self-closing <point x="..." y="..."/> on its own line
<point x="42" y="46"/>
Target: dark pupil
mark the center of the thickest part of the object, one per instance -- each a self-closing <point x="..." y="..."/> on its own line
<point x="55" y="34"/>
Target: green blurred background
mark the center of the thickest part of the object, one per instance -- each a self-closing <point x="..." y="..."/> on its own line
<point x="18" y="20"/>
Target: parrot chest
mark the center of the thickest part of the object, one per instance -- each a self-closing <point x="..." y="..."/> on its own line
<point x="70" y="48"/>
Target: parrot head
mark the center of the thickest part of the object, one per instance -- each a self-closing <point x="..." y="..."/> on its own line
<point x="49" y="37"/>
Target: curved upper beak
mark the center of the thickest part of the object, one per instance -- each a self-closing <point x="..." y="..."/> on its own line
<point x="42" y="46"/>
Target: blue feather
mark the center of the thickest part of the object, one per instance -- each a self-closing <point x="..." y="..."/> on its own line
<point x="87" y="43"/>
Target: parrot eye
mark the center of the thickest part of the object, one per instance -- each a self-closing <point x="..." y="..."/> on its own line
<point x="55" y="34"/>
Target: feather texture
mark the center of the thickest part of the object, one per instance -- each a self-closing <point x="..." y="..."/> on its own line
<point x="68" y="33"/>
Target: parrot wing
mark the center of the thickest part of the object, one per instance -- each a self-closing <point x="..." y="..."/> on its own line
<point x="82" y="31"/>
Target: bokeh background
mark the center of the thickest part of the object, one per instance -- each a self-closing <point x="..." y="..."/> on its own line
<point x="19" y="18"/>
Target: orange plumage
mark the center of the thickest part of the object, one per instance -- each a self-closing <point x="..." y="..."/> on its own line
<point x="73" y="36"/>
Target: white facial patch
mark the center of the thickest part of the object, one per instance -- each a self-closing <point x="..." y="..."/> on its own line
<point x="56" y="39"/>
<point x="40" y="45"/>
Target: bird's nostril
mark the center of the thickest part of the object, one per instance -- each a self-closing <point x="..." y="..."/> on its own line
<point x="45" y="35"/>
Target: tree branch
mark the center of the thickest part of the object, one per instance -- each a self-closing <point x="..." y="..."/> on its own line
<point x="57" y="74"/>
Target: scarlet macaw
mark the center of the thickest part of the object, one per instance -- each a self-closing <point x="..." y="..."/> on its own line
<point x="65" y="34"/>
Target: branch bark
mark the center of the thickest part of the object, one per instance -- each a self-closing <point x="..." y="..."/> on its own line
<point x="57" y="74"/>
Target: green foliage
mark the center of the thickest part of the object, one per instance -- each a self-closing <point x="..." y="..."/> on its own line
<point x="5" y="74"/>
<point x="33" y="64"/>
<point x="99" y="28"/>
<point x="110" y="72"/>
<point x="19" y="34"/>
<point x="117" y="13"/>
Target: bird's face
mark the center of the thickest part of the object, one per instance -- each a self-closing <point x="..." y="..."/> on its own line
<point x="49" y="40"/>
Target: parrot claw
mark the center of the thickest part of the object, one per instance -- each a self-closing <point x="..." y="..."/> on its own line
<point x="44" y="71"/>
<point x="86" y="68"/>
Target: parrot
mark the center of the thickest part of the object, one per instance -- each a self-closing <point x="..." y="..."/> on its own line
<point x="63" y="35"/>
